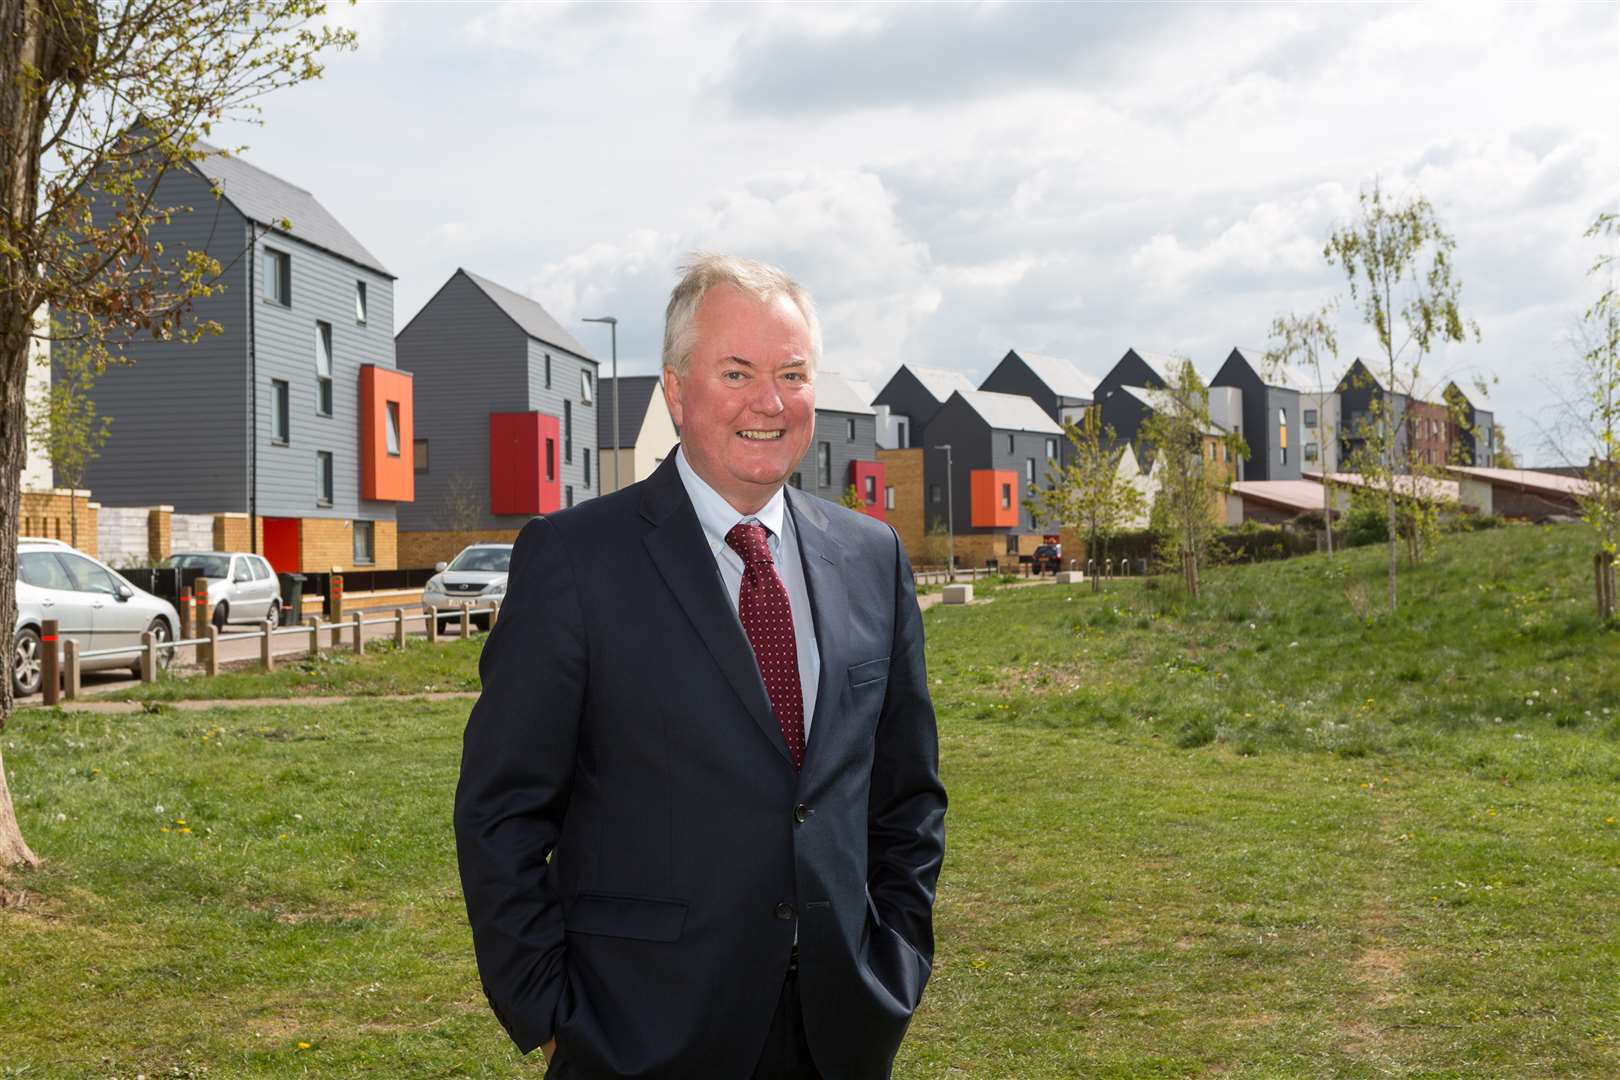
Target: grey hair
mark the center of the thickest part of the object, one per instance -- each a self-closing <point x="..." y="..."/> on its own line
<point x="702" y="272"/>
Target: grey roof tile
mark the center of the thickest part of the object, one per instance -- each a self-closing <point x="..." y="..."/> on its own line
<point x="530" y="317"/>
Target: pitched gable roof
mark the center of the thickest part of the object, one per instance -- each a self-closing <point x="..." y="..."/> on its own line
<point x="1010" y="412"/>
<point x="530" y="317"/>
<point x="1283" y="376"/>
<point x="272" y="201"/>
<point x="635" y="395"/>
<point x="941" y="382"/>
<point x="1060" y="376"/>
<point x="1156" y="399"/>
<point x="835" y="394"/>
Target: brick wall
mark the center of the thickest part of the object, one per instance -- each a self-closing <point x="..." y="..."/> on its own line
<point x="231" y="533"/>
<point x="903" y="471"/>
<point x="160" y="532"/>
<point x="49" y="514"/>
<point x="419" y="549"/>
<point x="329" y="542"/>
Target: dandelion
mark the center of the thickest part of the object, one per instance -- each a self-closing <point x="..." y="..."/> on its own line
<point x="186" y="830"/>
<point x="303" y="1046"/>
<point x="164" y="829"/>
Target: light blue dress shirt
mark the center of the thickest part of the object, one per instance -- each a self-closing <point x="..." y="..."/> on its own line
<point x="717" y="517"/>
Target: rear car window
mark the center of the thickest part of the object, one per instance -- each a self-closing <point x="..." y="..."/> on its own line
<point x="41" y="570"/>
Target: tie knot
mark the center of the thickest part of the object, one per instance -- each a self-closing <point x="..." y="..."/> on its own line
<point x="748" y="540"/>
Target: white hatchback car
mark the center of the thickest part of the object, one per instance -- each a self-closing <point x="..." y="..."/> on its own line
<point x="477" y="574"/>
<point x="92" y="604"/>
<point x="241" y="587"/>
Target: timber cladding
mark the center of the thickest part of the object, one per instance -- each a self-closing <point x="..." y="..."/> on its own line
<point x="419" y="549"/>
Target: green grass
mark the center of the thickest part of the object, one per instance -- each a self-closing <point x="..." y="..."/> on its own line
<point x="1367" y="875"/>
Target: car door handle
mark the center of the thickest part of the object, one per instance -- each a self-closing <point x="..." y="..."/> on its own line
<point x="47" y="603"/>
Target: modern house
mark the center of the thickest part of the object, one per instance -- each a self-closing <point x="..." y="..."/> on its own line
<point x="1265" y="410"/>
<point x="1061" y="390"/>
<point x="1000" y="446"/>
<point x="1423" y="429"/>
<point x="843" y="451"/>
<point x="911" y="397"/>
<point x="646" y="431"/>
<point x="1474" y="428"/>
<point x="507" y="420"/>
<point x="296" y="416"/>
<point x="1137" y="369"/>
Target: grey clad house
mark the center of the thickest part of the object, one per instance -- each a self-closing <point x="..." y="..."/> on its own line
<point x="909" y="400"/>
<point x="1061" y="390"/>
<point x="296" y="415"/>
<point x="1000" y="444"/>
<point x="1148" y="369"/>
<point x="1476" y="427"/>
<point x="1266" y="411"/>
<point x="506" y="426"/>
<point x="843" y="452"/>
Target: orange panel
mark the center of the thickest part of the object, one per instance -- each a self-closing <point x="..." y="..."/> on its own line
<point x="996" y="497"/>
<point x="386" y="475"/>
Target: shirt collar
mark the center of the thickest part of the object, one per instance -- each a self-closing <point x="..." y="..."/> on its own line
<point x="717" y="516"/>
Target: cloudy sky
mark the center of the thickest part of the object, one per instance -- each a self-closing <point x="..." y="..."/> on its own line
<point x="954" y="181"/>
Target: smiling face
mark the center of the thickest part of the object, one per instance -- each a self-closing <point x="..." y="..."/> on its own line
<point x="746" y="406"/>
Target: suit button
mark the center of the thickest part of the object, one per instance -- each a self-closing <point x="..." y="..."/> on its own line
<point x="801" y="813"/>
<point x="784" y="911"/>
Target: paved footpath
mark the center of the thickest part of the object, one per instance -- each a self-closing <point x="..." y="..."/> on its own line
<point x="92" y="706"/>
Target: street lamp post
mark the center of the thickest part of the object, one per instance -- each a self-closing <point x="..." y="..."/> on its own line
<point x="950" y="511"/>
<point x="613" y="327"/>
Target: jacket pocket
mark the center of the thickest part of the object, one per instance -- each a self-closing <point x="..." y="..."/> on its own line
<point x="645" y="918"/>
<point x="869" y="671"/>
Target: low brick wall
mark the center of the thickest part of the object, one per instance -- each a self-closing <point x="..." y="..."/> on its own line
<point x="424" y="548"/>
<point x="50" y="514"/>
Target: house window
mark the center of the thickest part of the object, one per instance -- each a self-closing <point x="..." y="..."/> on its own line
<point x="323" y="368"/>
<point x="1310" y="418"/>
<point x="849" y="430"/>
<point x="902" y="436"/>
<point x="548" y="371"/>
<point x="323" y="478"/>
<point x="1312" y="451"/>
<point x="1010" y="443"/>
<point x="419" y="455"/>
<point x="1051" y="450"/>
<point x="824" y="464"/>
<point x="280" y="412"/>
<point x="585" y="454"/>
<point x="363" y="539"/>
<point x="871" y="490"/>
<point x="1282" y="435"/>
<point x="1029" y="470"/>
<point x="935" y="496"/>
<point x="585" y="387"/>
<point x="551" y="461"/>
<point x="568" y="432"/>
<point x="360" y="302"/>
<point x="888" y="497"/>
<point x="1006" y="496"/>
<point x="393" y="429"/>
<point x="277" y="277"/>
<point x="568" y="495"/>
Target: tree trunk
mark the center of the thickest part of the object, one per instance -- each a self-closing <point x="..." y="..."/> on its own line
<point x="23" y="45"/>
<point x="1327" y="508"/>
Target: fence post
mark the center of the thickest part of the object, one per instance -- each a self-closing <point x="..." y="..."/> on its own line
<point x="466" y="619"/>
<point x="50" y="676"/>
<point x="267" y="655"/>
<point x="186" y="623"/>
<point x="314" y="637"/>
<point x="70" y="670"/>
<point x="359" y="634"/>
<point x="334" y="599"/>
<point x="494" y="612"/>
<point x="211" y="660"/>
<point x="399" y="627"/>
<point x="199" y="610"/>
<point x="433" y="625"/>
<point x="148" y="657"/>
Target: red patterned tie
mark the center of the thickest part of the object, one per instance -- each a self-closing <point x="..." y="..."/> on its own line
<point x="767" y="619"/>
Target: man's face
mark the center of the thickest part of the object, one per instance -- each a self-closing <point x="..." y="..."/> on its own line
<point x="746" y="407"/>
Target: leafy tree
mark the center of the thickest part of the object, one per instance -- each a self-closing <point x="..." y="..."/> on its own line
<point x="98" y="100"/>
<point x="852" y="498"/>
<point x="1598" y="381"/>
<point x="65" y="423"/>
<point x="1089" y="493"/>
<point x="1397" y="259"/>
<point x="937" y="547"/>
<point x="1309" y="344"/>
<point x="1187" y="507"/>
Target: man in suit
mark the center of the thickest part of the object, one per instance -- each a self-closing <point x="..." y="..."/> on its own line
<point x="700" y="820"/>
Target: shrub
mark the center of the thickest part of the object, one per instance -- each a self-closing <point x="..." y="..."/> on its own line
<point x="1366" y="525"/>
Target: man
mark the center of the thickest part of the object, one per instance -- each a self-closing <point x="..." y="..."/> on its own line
<point x="700" y="820"/>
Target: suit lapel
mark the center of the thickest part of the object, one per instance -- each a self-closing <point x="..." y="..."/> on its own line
<point x="683" y="558"/>
<point x="822" y="557"/>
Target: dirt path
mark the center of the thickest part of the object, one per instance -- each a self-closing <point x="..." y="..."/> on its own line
<point x="256" y="703"/>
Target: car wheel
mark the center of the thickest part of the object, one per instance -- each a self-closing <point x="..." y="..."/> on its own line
<point x="222" y="614"/>
<point x="26" y="663"/>
<point x="275" y="613"/>
<point x="159" y="630"/>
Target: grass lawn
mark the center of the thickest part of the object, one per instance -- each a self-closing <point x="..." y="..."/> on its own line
<point x="1257" y="836"/>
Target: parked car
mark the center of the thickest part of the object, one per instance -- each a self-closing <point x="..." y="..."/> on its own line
<point x="241" y="587"/>
<point x="1048" y="558"/>
<point x="478" y="574"/>
<point x="92" y="604"/>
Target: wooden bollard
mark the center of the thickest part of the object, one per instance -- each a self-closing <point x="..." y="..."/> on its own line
<point x="211" y="656"/>
<point x="70" y="670"/>
<point x="187" y="623"/>
<point x="466" y="619"/>
<point x="314" y="637"/>
<point x="267" y="654"/>
<point x="50" y="675"/>
<point x="334" y="599"/>
<point x="201" y="615"/>
<point x="494" y="611"/>
<point x="433" y="625"/>
<point x="359" y="634"/>
<point x="399" y="627"/>
<point x="148" y="657"/>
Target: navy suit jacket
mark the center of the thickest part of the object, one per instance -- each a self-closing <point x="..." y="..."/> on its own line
<point x="635" y="845"/>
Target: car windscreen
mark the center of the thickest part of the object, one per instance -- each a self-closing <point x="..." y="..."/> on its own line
<point x="213" y="566"/>
<point x="492" y="559"/>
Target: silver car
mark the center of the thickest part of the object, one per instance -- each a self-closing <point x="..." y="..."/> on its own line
<point x="477" y="574"/>
<point x="241" y="587"/>
<point x="92" y="604"/>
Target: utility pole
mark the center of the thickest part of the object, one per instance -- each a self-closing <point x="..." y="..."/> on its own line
<point x="950" y="511"/>
<point x="613" y="326"/>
